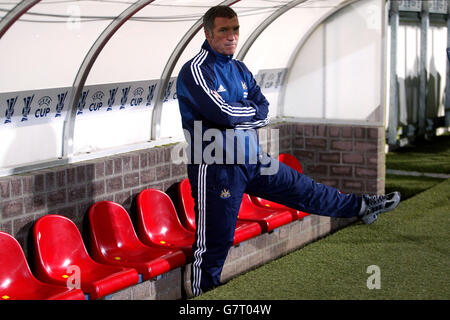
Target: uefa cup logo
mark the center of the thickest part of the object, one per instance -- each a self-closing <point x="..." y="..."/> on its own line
<point x="27" y="107"/>
<point x="10" y="109"/>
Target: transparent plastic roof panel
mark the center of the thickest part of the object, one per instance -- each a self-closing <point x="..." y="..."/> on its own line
<point x="335" y="72"/>
<point x="272" y="48"/>
<point x="47" y="45"/>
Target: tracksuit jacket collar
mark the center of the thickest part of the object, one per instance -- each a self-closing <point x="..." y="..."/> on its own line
<point x="220" y="57"/>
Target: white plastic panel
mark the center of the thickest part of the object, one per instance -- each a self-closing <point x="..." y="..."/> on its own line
<point x="387" y="75"/>
<point x="31" y="125"/>
<point x="305" y="86"/>
<point x="337" y="73"/>
<point x="27" y="145"/>
<point x="114" y="115"/>
<point x="353" y="62"/>
<point x="171" y="120"/>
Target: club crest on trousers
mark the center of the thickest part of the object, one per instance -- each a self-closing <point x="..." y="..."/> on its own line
<point x="225" y="194"/>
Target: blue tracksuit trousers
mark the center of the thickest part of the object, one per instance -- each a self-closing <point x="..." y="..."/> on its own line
<point x="218" y="190"/>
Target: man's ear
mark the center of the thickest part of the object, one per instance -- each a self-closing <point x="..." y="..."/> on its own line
<point x="208" y="35"/>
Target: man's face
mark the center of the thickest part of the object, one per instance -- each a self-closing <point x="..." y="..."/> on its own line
<point x="225" y="35"/>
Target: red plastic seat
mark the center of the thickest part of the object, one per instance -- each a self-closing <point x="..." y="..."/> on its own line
<point x="268" y="219"/>
<point x="18" y="283"/>
<point x="59" y="245"/>
<point x="158" y="223"/>
<point x="186" y="204"/>
<point x="292" y="162"/>
<point x="114" y="241"/>
<point x="244" y="229"/>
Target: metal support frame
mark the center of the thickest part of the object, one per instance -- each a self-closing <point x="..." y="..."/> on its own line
<point x="83" y="72"/>
<point x="324" y="71"/>
<point x="168" y="69"/>
<point x="447" y="84"/>
<point x="384" y="66"/>
<point x="393" y="89"/>
<point x="424" y="24"/>
<point x="14" y="15"/>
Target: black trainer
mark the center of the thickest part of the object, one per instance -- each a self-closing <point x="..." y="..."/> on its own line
<point x="372" y="206"/>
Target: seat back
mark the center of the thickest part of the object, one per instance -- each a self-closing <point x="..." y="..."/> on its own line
<point x="157" y="216"/>
<point x="58" y="244"/>
<point x="187" y="203"/>
<point x="291" y="161"/>
<point x="246" y="205"/>
<point x="13" y="264"/>
<point x="111" y="228"/>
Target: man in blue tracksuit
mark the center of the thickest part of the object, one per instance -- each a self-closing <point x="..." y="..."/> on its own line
<point x="221" y="107"/>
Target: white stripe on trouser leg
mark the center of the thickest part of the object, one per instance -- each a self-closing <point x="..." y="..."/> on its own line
<point x="201" y="247"/>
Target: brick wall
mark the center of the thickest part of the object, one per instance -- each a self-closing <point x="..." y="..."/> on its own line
<point x="70" y="190"/>
<point x="350" y="158"/>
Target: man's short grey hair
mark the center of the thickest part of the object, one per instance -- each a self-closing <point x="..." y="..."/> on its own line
<point x="213" y="13"/>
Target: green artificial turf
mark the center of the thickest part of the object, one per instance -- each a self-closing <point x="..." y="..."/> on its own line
<point x="411" y="247"/>
<point x="409" y="185"/>
<point x="422" y="156"/>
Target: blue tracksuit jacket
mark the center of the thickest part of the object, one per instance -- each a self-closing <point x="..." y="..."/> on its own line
<point x="221" y="93"/>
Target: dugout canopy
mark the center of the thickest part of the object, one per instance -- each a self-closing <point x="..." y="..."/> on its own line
<point x="87" y="79"/>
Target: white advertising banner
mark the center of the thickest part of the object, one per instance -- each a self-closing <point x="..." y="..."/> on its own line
<point x="271" y="79"/>
<point x="39" y="106"/>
